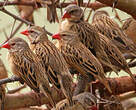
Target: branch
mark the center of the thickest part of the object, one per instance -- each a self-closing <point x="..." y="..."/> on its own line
<point x="14" y="101"/>
<point x="16" y="89"/>
<point x="128" y="6"/>
<point x="16" y="17"/>
<point x="8" y="80"/>
<point x="22" y="100"/>
<point x="127" y="96"/>
<point x="118" y="85"/>
<point x="95" y="5"/>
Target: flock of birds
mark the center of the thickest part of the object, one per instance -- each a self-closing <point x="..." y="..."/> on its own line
<point x="83" y="47"/>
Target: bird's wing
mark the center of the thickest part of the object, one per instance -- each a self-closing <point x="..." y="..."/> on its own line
<point x="27" y="70"/>
<point x="81" y="58"/>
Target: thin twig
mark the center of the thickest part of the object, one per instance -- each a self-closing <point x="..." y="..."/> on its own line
<point x="9" y="80"/>
<point x="16" y="89"/>
<point x="89" y="15"/>
<point x="16" y="17"/>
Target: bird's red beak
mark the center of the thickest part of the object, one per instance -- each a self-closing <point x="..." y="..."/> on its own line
<point x="66" y="15"/>
<point x="25" y="32"/>
<point x="56" y="36"/>
<point x="6" y="45"/>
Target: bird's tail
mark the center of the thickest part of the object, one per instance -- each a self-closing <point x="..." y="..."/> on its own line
<point x="104" y="81"/>
<point x="66" y="86"/>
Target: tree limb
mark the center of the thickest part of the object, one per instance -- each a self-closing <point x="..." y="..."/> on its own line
<point x="14" y="101"/>
<point x="8" y="80"/>
<point x="128" y="6"/>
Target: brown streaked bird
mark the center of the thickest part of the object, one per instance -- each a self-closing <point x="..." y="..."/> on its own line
<point x="108" y="27"/>
<point x="80" y="58"/>
<point x="129" y="27"/>
<point x="73" y="20"/>
<point x="26" y="65"/>
<point x="115" y="56"/>
<point x="26" y="12"/>
<point x="3" y="74"/>
<point x="53" y="61"/>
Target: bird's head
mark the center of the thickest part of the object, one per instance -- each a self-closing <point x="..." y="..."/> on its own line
<point x="99" y="13"/>
<point x="73" y="12"/>
<point x="35" y="34"/>
<point x="66" y="36"/>
<point x="15" y="44"/>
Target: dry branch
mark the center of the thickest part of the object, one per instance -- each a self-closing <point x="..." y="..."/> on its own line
<point x="15" y="17"/>
<point x="13" y="101"/>
<point x="128" y="6"/>
<point x="118" y="85"/>
<point x="8" y="80"/>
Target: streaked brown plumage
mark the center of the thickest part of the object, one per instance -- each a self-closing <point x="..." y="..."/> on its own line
<point x="26" y="65"/>
<point x="129" y="27"/>
<point x="26" y="12"/>
<point x="3" y="74"/>
<point x="108" y="27"/>
<point x="106" y="52"/>
<point x="73" y="20"/>
<point x="53" y="61"/>
<point x="80" y="58"/>
<point x="115" y="56"/>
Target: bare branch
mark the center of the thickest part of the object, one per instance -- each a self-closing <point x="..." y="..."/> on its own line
<point x="8" y="80"/>
<point x="124" y="5"/>
<point x="16" y="89"/>
<point x="16" y="17"/>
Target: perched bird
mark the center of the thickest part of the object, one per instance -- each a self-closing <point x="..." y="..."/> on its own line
<point x="80" y="58"/>
<point x="54" y="63"/>
<point x="115" y="56"/>
<point x="3" y="74"/>
<point x="26" y="12"/>
<point x="73" y="20"/>
<point x="108" y="27"/>
<point x="26" y="65"/>
<point x="129" y="27"/>
<point x="101" y="47"/>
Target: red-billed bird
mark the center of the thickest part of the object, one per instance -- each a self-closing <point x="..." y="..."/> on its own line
<point x="101" y="46"/>
<point x="26" y="65"/>
<point x="54" y="63"/>
<point x="73" y="20"/>
<point x="80" y="58"/>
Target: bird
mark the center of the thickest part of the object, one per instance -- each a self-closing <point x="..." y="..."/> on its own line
<point x="53" y="61"/>
<point x="129" y="27"/>
<point x="73" y="19"/>
<point x="3" y="74"/>
<point x="26" y="12"/>
<point x="105" y="51"/>
<point x="116" y="57"/>
<point x="84" y="101"/>
<point x="108" y="27"/>
<point x="79" y="57"/>
<point x="26" y="65"/>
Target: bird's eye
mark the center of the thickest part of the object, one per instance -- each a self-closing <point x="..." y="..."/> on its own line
<point x="63" y="34"/>
<point x="31" y="31"/>
<point x="12" y="44"/>
<point x="72" y="11"/>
